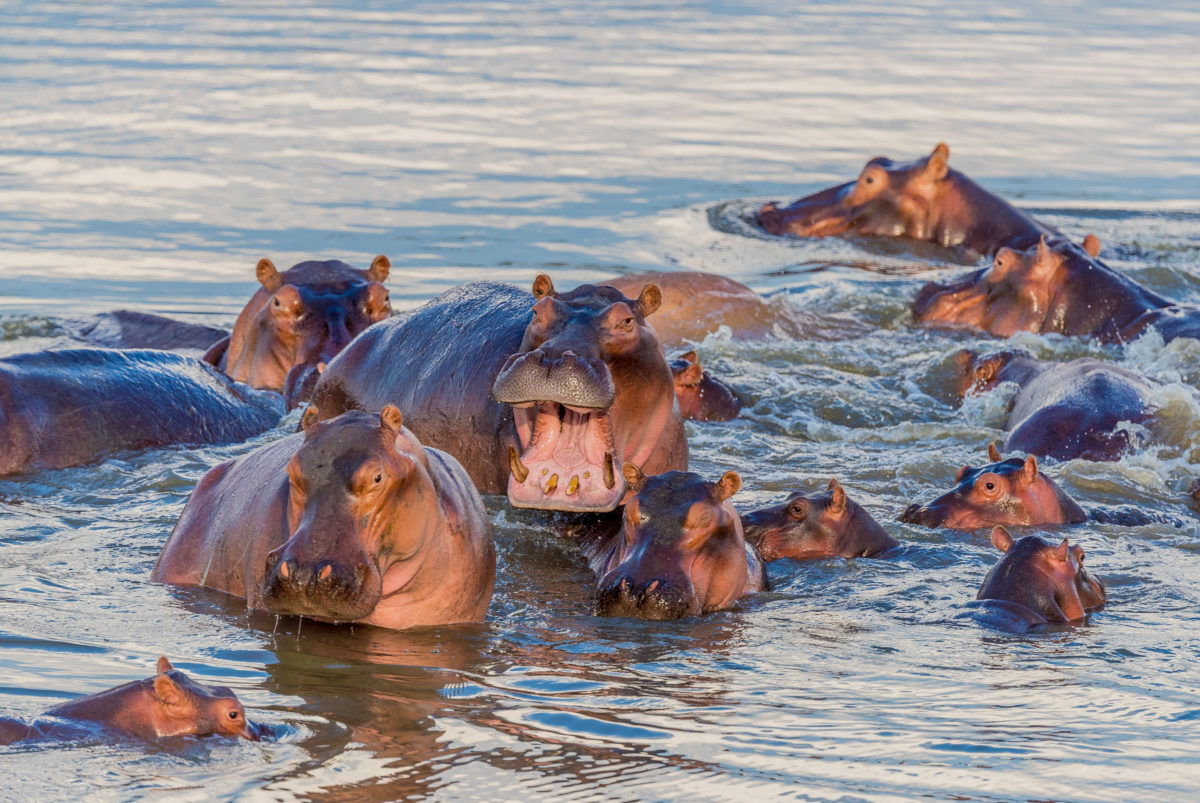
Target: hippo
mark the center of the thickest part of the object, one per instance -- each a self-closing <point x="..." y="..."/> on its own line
<point x="168" y="704"/>
<point x="922" y="200"/>
<point x="132" y="329"/>
<point x="827" y="524"/>
<point x="1050" y="287"/>
<point x="1065" y="410"/>
<point x="351" y="520"/>
<point x="1036" y="583"/>
<point x="1011" y="492"/>
<point x="545" y="395"/>
<point x="74" y="406"/>
<point x="679" y="550"/>
<point x="701" y="396"/>
<point x="299" y="318"/>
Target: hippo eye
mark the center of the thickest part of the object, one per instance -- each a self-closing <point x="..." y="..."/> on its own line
<point x="869" y="179"/>
<point x="234" y="714"/>
<point x="379" y="478"/>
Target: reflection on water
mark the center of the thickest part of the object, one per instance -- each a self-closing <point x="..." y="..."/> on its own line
<point x="152" y="156"/>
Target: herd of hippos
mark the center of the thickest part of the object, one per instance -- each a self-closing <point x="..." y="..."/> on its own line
<point x="566" y="401"/>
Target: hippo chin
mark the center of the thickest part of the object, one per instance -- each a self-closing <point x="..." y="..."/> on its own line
<point x="300" y="317"/>
<point x="351" y="520"/>
<point x="549" y="407"/>
<point x="1011" y="492"/>
<point x="1036" y="582"/>
<point x="679" y="552"/>
<point x="168" y="704"/>
<point x="827" y="524"/>
<point x="921" y="200"/>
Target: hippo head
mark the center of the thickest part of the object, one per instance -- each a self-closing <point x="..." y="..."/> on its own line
<point x="1048" y="579"/>
<point x="590" y="391"/>
<point x="888" y="199"/>
<point x="816" y="525"/>
<point x="302" y="317"/>
<point x="1010" y="491"/>
<point x="361" y="503"/>
<point x="700" y="396"/>
<point x="680" y="551"/>
<point x="1022" y="291"/>
<point x="183" y="707"/>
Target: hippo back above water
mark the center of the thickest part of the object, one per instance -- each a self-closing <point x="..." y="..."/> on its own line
<point x="546" y="395"/>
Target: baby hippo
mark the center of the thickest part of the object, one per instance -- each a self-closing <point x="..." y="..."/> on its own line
<point x="701" y="396"/>
<point x="168" y="704"/>
<point x="827" y="524"/>
<point x="1036" y="582"/>
<point x="679" y="551"/>
<point x="1011" y="492"/>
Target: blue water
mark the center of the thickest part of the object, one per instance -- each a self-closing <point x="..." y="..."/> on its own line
<point x="152" y="153"/>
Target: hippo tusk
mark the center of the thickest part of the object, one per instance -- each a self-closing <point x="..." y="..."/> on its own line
<point x="516" y="466"/>
<point x="610" y="478"/>
<point x="573" y="485"/>
<point x="551" y="484"/>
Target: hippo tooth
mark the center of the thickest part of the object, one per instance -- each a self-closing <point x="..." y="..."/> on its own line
<point x="573" y="485"/>
<point x="610" y="478"/>
<point x="551" y="484"/>
<point x="516" y="466"/>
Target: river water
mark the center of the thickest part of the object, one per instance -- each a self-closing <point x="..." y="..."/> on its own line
<point x="151" y="153"/>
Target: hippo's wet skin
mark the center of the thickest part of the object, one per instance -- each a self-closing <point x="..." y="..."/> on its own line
<point x="1036" y="583"/>
<point x="352" y="520"/>
<point x="545" y="395"/>
<point x="70" y="407"/>
<point x="702" y="397"/>
<point x="299" y="318"/>
<point x="168" y="704"/>
<point x="679" y="551"/>
<point x="921" y="200"/>
<point x="827" y="524"/>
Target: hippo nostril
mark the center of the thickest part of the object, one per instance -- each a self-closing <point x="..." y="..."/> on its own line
<point x="653" y="585"/>
<point x="285" y="570"/>
<point x="326" y="570"/>
<point x="909" y="513"/>
<point x="625" y="584"/>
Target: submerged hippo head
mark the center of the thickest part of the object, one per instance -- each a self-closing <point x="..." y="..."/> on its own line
<point x="889" y="199"/>
<point x="301" y="317"/>
<point x="183" y="707"/>
<point x="361" y="503"/>
<point x="1009" y="492"/>
<point x="827" y="524"/>
<point x="591" y="391"/>
<point x="1022" y="291"/>
<point x="680" y="551"/>
<point x="701" y="396"/>
<point x="1048" y="580"/>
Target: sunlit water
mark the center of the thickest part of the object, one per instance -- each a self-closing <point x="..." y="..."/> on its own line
<point x="151" y="154"/>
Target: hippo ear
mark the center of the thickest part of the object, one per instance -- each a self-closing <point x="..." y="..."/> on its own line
<point x="391" y="419"/>
<point x="690" y="375"/>
<point x="837" y="502"/>
<point x="542" y="287"/>
<point x="1091" y="244"/>
<point x="690" y="356"/>
<point x="267" y="275"/>
<point x="1029" y="470"/>
<point x="993" y="452"/>
<point x="380" y="268"/>
<point x="1001" y="539"/>
<point x="310" y="417"/>
<point x="167" y="691"/>
<point x="1043" y="259"/>
<point x="635" y="480"/>
<point x="164" y="665"/>
<point x="962" y="472"/>
<point x="1063" y="551"/>
<point x="648" y="300"/>
<point x="727" y="486"/>
<point x="937" y="165"/>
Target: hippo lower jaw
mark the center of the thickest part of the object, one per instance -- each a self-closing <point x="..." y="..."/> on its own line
<point x="570" y="463"/>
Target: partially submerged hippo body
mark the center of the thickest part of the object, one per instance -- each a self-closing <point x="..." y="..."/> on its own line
<point x="131" y="329"/>
<point x="1036" y="583"/>
<point x="70" y="407"/>
<point x="1011" y="492"/>
<point x="822" y="525"/>
<point x="679" y="552"/>
<point x="352" y="520"/>
<point x="1066" y="410"/>
<point x="1054" y="286"/>
<point x="701" y="396"/>
<point x="168" y="704"/>
<point x="548" y="405"/>
<point x="300" y="319"/>
<point x="921" y="200"/>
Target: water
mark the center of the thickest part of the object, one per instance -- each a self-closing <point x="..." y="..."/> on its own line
<point x="151" y="154"/>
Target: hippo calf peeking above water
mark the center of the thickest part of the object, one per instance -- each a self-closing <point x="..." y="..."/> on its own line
<point x="546" y="394"/>
<point x="168" y="704"/>
<point x="679" y="551"/>
<point x="352" y="520"/>
<point x="1036" y="583"/>
<point x="701" y="396"/>
<point x="827" y="524"/>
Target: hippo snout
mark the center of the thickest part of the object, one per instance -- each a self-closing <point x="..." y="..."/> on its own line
<point x="570" y="379"/>
<point x="921" y="516"/>
<point x="322" y="589"/>
<point x="658" y="600"/>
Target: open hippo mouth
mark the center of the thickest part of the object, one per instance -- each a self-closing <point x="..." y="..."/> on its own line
<point x="568" y="459"/>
